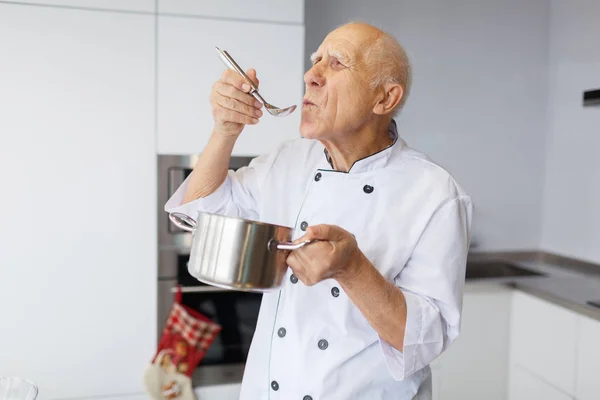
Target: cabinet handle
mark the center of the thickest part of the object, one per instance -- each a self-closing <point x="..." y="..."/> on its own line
<point x="198" y="289"/>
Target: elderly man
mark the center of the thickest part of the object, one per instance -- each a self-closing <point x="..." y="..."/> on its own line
<point x="364" y="310"/>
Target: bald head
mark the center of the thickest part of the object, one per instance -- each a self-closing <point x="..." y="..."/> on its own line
<point x="383" y="55"/>
<point x="359" y="78"/>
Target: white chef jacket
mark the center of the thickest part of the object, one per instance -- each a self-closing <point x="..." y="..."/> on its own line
<point x="410" y="218"/>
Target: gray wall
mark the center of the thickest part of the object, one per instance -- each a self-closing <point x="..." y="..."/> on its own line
<point x="478" y="104"/>
<point x="572" y="187"/>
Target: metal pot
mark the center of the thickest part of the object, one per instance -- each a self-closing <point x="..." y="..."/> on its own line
<point x="235" y="253"/>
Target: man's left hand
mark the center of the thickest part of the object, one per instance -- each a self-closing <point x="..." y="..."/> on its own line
<point x="335" y="254"/>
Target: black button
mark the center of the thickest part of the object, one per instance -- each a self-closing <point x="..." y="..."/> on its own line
<point x="275" y="385"/>
<point x="294" y="278"/>
<point x="335" y="292"/>
<point x="307" y="398"/>
<point x="281" y="332"/>
<point x="318" y="176"/>
<point x="368" y="189"/>
<point x="323" y="344"/>
<point x="304" y="225"/>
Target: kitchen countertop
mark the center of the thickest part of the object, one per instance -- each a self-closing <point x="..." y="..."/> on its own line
<point x="562" y="284"/>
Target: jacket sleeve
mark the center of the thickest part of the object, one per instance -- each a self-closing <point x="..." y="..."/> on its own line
<point x="432" y="282"/>
<point x="238" y="196"/>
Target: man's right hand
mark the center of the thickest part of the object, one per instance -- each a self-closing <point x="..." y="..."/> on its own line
<point x="232" y="106"/>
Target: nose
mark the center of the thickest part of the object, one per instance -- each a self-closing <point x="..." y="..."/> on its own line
<point x="314" y="77"/>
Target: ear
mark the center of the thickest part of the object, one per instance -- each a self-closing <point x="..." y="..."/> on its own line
<point x="392" y="95"/>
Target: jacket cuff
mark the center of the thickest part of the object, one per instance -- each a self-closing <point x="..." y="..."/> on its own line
<point x="213" y="203"/>
<point x="402" y="364"/>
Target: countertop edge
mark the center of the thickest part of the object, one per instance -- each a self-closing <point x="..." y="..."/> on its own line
<point x="571" y="264"/>
<point x="588" y="311"/>
<point x="544" y="262"/>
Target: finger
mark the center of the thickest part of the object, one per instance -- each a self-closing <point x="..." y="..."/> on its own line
<point x="298" y="268"/>
<point x="314" y="232"/>
<point x="291" y="260"/>
<point x="325" y="232"/>
<point x="301" y="239"/>
<point x="252" y="75"/>
<point x="233" y="78"/>
<point x="227" y="90"/>
<point x="227" y="115"/>
<point x="236" y="105"/>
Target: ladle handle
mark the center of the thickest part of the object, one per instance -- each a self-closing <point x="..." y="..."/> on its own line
<point x="230" y="62"/>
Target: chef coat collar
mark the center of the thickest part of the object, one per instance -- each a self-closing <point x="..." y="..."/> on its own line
<point x="375" y="160"/>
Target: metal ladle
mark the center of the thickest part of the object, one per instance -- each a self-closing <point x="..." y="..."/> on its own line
<point x="273" y="110"/>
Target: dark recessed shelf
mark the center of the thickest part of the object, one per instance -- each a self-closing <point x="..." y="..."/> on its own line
<point x="496" y="269"/>
<point x="591" y="97"/>
<point x="594" y="303"/>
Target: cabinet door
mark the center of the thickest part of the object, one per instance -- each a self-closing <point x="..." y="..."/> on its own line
<point x="129" y="396"/>
<point x="588" y="360"/>
<point x="120" y="5"/>
<point x="219" y="392"/>
<point x="527" y="386"/>
<point x="259" y="10"/>
<point x="188" y="66"/>
<point x="78" y="210"/>
<point x="543" y="339"/>
<point x="436" y="379"/>
<point x="475" y="366"/>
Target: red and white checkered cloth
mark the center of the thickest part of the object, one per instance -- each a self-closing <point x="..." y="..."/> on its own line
<point x="196" y="329"/>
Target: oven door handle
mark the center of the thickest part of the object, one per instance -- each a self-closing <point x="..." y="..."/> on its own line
<point x="199" y="289"/>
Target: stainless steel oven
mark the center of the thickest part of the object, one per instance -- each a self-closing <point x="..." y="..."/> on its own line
<point x="236" y="312"/>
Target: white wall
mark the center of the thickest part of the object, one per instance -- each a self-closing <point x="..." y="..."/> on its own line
<point x="78" y="171"/>
<point x="188" y="66"/>
<point x="78" y="152"/>
<point x="572" y="188"/>
<point x="478" y="100"/>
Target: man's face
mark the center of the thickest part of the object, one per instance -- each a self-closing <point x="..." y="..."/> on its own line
<point x="338" y="95"/>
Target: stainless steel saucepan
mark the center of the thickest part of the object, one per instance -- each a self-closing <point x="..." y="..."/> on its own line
<point x="236" y="253"/>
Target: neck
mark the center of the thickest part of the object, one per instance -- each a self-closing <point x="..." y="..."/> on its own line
<point x="360" y="143"/>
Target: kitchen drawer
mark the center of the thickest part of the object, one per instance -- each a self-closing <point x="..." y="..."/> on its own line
<point x="219" y="392"/>
<point x="476" y="364"/>
<point x="544" y="340"/>
<point x="588" y="360"/>
<point x="526" y="386"/>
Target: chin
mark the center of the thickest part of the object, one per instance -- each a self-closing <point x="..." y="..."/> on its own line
<point x="310" y="129"/>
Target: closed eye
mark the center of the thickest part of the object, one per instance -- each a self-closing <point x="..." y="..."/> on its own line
<point x="336" y="63"/>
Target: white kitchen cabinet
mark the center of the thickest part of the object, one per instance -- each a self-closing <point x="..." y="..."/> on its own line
<point x="475" y="366"/>
<point x="544" y="340"/>
<point x="289" y="11"/>
<point x="588" y="360"/>
<point x="78" y="209"/>
<point x="119" y="5"/>
<point x="219" y="392"/>
<point x="436" y="377"/>
<point x="211" y="392"/>
<point x="526" y="386"/>
<point x="127" y="396"/>
<point x="188" y="66"/>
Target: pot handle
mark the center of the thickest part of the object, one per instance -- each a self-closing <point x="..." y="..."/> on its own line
<point x="183" y="221"/>
<point x="274" y="245"/>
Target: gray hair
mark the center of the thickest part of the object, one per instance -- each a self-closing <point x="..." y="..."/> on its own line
<point x="390" y="64"/>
